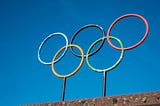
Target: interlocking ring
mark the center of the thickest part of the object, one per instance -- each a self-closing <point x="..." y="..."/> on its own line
<point x="44" y="41"/>
<point x="114" y="65"/>
<point x="124" y="16"/>
<point x="82" y="28"/>
<point x="82" y="55"/>
<point x="76" y="70"/>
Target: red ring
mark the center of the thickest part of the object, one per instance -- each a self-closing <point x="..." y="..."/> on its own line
<point x="124" y="16"/>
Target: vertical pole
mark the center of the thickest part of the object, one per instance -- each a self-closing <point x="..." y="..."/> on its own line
<point x="63" y="88"/>
<point x="104" y="84"/>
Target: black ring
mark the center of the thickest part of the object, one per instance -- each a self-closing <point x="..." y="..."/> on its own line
<point x="82" y="28"/>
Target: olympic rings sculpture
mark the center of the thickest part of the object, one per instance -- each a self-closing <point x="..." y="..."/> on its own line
<point x="104" y="37"/>
<point x="88" y="52"/>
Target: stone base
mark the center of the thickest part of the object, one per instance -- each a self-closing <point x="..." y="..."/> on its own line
<point x="141" y="99"/>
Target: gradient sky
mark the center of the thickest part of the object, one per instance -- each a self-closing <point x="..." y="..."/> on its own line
<point x="24" y="25"/>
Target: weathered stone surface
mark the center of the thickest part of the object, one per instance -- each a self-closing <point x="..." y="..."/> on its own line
<point x="141" y="99"/>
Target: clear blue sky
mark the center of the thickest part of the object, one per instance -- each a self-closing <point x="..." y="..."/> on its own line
<point x="24" y="24"/>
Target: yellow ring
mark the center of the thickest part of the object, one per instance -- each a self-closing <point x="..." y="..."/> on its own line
<point x="76" y="70"/>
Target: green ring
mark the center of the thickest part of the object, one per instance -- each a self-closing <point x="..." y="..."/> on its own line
<point x="114" y="65"/>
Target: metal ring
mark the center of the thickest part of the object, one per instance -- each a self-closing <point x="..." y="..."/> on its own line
<point x="78" y="31"/>
<point x="44" y="41"/>
<point x="76" y="70"/>
<point x="114" y="65"/>
<point x="124" y="16"/>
